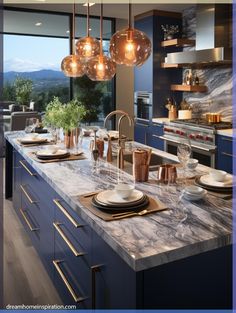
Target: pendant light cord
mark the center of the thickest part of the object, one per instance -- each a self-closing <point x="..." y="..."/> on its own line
<point x="88" y="24"/>
<point x="130" y="15"/>
<point x="101" y="28"/>
<point x="73" y="29"/>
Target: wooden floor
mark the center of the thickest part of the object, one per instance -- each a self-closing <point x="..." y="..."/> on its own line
<point x="25" y="279"/>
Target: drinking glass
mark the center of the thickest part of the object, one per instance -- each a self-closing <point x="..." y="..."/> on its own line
<point x="78" y="139"/>
<point x="184" y="152"/>
<point x="30" y="124"/>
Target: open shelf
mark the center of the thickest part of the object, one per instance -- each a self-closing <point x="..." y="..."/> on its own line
<point x="178" y="42"/>
<point x="189" y="88"/>
<point x="197" y="65"/>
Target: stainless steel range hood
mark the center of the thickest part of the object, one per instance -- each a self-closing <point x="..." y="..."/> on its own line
<point x="213" y="37"/>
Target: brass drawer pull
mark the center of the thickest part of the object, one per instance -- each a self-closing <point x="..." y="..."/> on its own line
<point x="27" y="195"/>
<point x="142" y="125"/>
<point x="155" y="136"/>
<point x="228" y="154"/>
<point x="27" y="221"/>
<point x="64" y="211"/>
<point x="227" y="139"/>
<point x="67" y="240"/>
<point x="94" y="269"/>
<point x="66" y="282"/>
<point x="27" y="169"/>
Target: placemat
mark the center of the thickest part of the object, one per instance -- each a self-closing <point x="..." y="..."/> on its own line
<point x="153" y="206"/>
<point x="71" y="157"/>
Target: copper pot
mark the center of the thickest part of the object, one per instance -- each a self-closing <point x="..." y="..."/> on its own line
<point x="213" y="117"/>
<point x="167" y="173"/>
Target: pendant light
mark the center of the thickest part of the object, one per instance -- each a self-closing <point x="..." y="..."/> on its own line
<point x="101" y="67"/>
<point x="87" y="47"/>
<point x="130" y="46"/>
<point x="73" y="65"/>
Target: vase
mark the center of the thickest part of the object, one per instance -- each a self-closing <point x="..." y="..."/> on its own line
<point x="68" y="139"/>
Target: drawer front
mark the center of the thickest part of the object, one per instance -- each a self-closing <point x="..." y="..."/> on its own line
<point x="157" y="129"/>
<point x="68" y="281"/>
<point x="16" y="192"/>
<point x="225" y="144"/>
<point x="30" y="224"/>
<point x="155" y="142"/>
<point x="32" y="200"/>
<point x="225" y="162"/>
<point x="74" y="227"/>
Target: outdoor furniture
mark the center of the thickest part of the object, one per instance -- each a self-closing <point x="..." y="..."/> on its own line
<point x="18" y="119"/>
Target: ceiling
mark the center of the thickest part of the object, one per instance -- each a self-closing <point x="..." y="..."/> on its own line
<point x="110" y="10"/>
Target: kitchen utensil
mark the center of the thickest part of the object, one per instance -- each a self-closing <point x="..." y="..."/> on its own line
<point x="133" y="213"/>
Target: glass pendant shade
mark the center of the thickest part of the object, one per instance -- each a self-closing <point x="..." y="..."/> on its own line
<point x="130" y="47"/>
<point x="101" y="68"/>
<point x="87" y="47"/>
<point x="72" y="66"/>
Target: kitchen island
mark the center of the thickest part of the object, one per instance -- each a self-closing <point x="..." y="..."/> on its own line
<point x="178" y="258"/>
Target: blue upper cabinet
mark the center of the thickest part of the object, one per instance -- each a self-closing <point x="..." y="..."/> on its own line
<point x="151" y="76"/>
<point x="143" y="75"/>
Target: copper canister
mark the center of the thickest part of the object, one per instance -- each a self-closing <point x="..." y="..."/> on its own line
<point x="167" y="173"/>
<point x="100" y="147"/>
<point x="140" y="165"/>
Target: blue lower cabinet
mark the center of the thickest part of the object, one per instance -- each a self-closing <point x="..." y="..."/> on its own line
<point x="141" y="133"/>
<point x="69" y="278"/>
<point x="224" y="157"/>
<point x="153" y="138"/>
<point x="16" y="191"/>
<point x="114" y="285"/>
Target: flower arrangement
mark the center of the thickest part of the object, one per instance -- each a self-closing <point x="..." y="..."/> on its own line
<point x="169" y="31"/>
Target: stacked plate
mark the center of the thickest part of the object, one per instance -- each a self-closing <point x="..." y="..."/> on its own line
<point x="108" y="200"/>
<point x="32" y="140"/>
<point x="207" y="182"/>
<point x="194" y="193"/>
<point x="50" y="154"/>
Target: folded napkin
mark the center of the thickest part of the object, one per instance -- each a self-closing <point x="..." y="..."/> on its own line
<point x="153" y="207"/>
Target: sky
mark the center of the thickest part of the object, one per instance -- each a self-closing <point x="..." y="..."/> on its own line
<point x="28" y="53"/>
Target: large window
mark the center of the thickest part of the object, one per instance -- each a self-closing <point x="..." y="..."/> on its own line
<point x="35" y="44"/>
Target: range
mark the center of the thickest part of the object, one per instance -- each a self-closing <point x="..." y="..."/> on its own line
<point x="201" y="135"/>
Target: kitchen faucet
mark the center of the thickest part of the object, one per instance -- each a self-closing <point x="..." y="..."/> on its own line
<point x="120" y="156"/>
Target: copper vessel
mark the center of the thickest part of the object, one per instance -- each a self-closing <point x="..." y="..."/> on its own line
<point x="167" y="173"/>
<point x="141" y="160"/>
<point x="68" y="139"/>
<point x="213" y="117"/>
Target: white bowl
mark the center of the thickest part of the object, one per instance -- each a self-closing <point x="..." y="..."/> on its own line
<point x="124" y="190"/>
<point x="194" y="197"/>
<point x="192" y="164"/>
<point x="218" y="175"/>
<point x="194" y="190"/>
<point x="52" y="149"/>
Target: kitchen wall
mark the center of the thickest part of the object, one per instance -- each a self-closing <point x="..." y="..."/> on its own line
<point x="218" y="80"/>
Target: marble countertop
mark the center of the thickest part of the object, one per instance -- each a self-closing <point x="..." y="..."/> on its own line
<point x="225" y="132"/>
<point x="185" y="229"/>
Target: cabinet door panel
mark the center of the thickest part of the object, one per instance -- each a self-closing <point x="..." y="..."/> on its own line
<point x="16" y="192"/>
<point x="224" y="158"/>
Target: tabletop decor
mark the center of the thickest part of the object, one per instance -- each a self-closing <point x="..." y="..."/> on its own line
<point x="169" y="31"/>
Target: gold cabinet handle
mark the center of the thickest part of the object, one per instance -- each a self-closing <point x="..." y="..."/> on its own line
<point x="67" y="240"/>
<point x="64" y="211"/>
<point x="228" y="154"/>
<point x="66" y="282"/>
<point x="27" y="195"/>
<point x="139" y="124"/>
<point x="27" y="221"/>
<point x="227" y="139"/>
<point x="27" y="169"/>
<point x="155" y="136"/>
<point x="94" y="269"/>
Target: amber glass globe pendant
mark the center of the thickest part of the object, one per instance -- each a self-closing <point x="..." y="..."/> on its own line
<point x="73" y="65"/>
<point x="130" y="46"/>
<point x="87" y="47"/>
<point x="101" y="67"/>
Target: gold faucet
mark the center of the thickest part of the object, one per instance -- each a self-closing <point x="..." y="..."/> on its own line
<point x="120" y="155"/>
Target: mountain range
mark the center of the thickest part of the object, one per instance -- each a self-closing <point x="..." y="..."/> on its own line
<point x="40" y="75"/>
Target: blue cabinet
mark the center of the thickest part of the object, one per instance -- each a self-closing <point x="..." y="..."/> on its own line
<point x="153" y="138"/>
<point x="224" y="157"/>
<point x="141" y="133"/>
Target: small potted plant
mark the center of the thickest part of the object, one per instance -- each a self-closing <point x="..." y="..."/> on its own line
<point x="66" y="116"/>
<point x="23" y="90"/>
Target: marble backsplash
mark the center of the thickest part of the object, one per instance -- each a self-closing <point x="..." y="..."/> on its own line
<point x="219" y="80"/>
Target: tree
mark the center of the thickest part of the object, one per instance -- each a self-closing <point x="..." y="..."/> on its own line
<point x="23" y="90"/>
<point x="9" y="92"/>
<point x="90" y="96"/>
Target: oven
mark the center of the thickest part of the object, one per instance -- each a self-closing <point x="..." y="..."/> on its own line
<point x="205" y="155"/>
<point x="143" y="105"/>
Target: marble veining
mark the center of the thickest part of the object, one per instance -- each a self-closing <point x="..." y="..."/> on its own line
<point x="186" y="229"/>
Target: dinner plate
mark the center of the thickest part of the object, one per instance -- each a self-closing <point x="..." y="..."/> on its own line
<point x="209" y="181"/>
<point x="120" y="208"/>
<point x="111" y="196"/>
<point x="32" y="140"/>
<point x="47" y="154"/>
<point x="123" y="205"/>
<point x="212" y="188"/>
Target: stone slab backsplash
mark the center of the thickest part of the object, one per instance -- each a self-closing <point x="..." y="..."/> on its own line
<point x="218" y="79"/>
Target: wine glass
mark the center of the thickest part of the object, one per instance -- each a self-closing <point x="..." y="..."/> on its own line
<point x="30" y="124"/>
<point x="184" y="152"/>
<point x="78" y="139"/>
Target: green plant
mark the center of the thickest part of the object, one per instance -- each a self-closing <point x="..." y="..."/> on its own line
<point x="23" y="90"/>
<point x="66" y="116"/>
